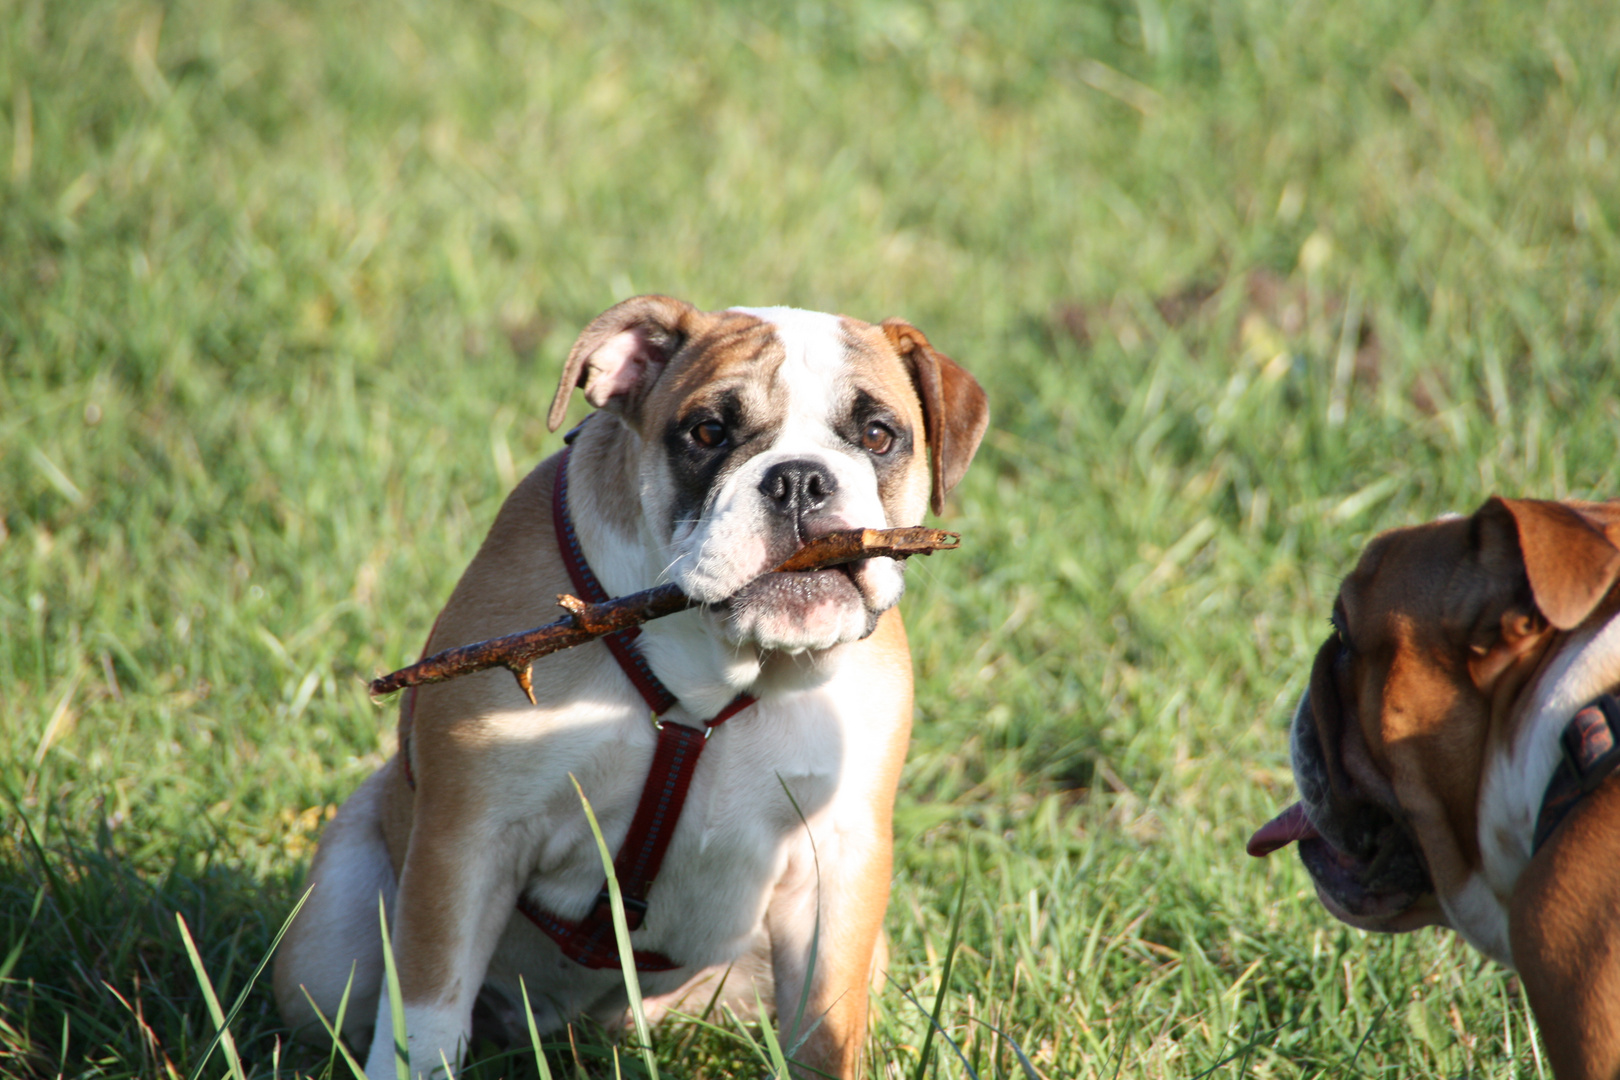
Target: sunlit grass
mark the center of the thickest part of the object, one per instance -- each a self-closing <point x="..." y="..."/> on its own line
<point x="284" y="288"/>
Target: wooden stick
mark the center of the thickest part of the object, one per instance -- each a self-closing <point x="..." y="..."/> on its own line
<point x="587" y="622"/>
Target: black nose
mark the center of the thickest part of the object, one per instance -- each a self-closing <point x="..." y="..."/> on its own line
<point x="797" y="488"/>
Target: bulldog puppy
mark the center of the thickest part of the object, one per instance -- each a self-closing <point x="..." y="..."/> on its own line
<point x="723" y="441"/>
<point x="1452" y="750"/>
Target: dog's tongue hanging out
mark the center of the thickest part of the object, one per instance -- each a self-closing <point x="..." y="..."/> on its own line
<point x="1280" y="831"/>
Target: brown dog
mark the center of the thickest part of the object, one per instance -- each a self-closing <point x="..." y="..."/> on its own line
<point x="1452" y="749"/>
<point x="722" y="442"/>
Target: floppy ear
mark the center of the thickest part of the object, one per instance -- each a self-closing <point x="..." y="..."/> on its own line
<point x="955" y="410"/>
<point x="1569" y="561"/>
<point x="621" y="353"/>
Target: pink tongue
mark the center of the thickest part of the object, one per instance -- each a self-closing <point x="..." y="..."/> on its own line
<point x="1280" y="831"/>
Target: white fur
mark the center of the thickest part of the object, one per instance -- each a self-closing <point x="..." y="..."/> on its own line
<point x="737" y="840"/>
<point x="1477" y="913"/>
<point x="1516" y="779"/>
<point x="355" y="872"/>
<point x="741" y="883"/>
<point x="702" y="670"/>
<point x="740" y="849"/>
<point x="716" y="555"/>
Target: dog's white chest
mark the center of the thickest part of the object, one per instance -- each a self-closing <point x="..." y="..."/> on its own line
<point x="773" y="762"/>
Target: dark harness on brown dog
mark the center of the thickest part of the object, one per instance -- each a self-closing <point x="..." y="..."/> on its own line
<point x="590" y="942"/>
<point x="1591" y="753"/>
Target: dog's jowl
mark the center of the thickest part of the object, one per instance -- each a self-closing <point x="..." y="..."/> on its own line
<point x="722" y="442"/>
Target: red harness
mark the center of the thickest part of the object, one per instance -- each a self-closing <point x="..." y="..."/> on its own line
<point x="590" y="941"/>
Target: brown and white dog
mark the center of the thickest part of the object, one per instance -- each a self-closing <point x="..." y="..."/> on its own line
<point x="1424" y="749"/>
<point x="722" y="442"/>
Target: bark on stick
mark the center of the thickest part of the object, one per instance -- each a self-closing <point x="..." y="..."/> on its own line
<point x="586" y="622"/>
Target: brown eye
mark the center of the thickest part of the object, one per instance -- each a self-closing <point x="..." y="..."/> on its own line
<point x="710" y="433"/>
<point x="877" y="438"/>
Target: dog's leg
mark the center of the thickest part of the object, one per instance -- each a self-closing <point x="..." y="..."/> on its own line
<point x="854" y="891"/>
<point x="1565" y="943"/>
<point x="336" y="934"/>
<point x="456" y="894"/>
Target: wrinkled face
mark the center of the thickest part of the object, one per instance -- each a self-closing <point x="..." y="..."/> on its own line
<point x="1388" y="740"/>
<point x="773" y="427"/>
<point x="1423" y="748"/>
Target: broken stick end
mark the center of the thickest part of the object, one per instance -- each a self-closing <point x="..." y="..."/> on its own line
<point x="524" y="681"/>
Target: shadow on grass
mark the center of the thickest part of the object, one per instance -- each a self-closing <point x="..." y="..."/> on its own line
<point x="99" y="977"/>
<point x="95" y="980"/>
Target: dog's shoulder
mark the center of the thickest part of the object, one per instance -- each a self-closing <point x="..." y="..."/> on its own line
<point x="511" y="585"/>
<point x="513" y="581"/>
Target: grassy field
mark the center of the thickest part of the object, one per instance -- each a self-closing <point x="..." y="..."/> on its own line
<point x="284" y="287"/>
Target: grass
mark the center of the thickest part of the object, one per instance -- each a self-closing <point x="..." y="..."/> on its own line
<point x="284" y="288"/>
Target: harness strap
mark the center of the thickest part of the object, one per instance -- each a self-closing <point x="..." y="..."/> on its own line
<point x="590" y="942"/>
<point x="653" y="692"/>
<point x="1591" y="753"/>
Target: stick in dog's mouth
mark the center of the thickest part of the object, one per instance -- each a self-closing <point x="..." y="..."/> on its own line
<point x="587" y="622"/>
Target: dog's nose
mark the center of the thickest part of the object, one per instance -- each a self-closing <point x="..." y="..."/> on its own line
<point x="799" y="487"/>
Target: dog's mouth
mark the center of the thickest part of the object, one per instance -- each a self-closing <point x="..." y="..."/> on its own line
<point x="801" y="610"/>
<point x="798" y="589"/>
<point x="1383" y="878"/>
<point x="1368" y="869"/>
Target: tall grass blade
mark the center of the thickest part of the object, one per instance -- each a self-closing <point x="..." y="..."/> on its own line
<point x="772" y="1046"/>
<point x="797" y="1034"/>
<point x="534" y="1033"/>
<point x="944" y="981"/>
<point x="742" y="1035"/>
<point x="1018" y="1051"/>
<point x="224" y="1037"/>
<point x="342" y="1013"/>
<point x="241" y="998"/>
<point x="935" y="1026"/>
<point x="396" y="1002"/>
<point x="22" y="939"/>
<point x="1243" y="1052"/>
<point x="621" y="934"/>
<point x="1368" y="1034"/>
<point x="338" y="1045"/>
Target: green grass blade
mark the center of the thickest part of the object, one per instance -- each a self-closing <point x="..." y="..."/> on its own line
<point x="797" y="1034"/>
<point x="224" y="1038"/>
<point x="396" y="1003"/>
<point x="742" y="1035"/>
<point x="338" y="1044"/>
<point x="534" y="1033"/>
<point x="1018" y="1051"/>
<point x="342" y="1013"/>
<point x="621" y="934"/>
<point x="944" y="979"/>
<point x="935" y="1026"/>
<point x="241" y="998"/>
<point x="772" y="1046"/>
<point x="22" y="939"/>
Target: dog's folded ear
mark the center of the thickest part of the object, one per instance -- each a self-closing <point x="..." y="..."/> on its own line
<point x="955" y="410"/>
<point x="1566" y="555"/>
<point x="621" y="353"/>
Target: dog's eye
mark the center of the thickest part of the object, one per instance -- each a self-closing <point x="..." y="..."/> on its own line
<point x="709" y="433"/>
<point x="1340" y="632"/>
<point x="877" y="438"/>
